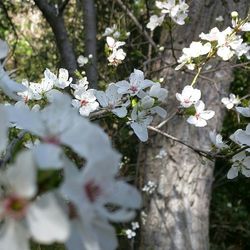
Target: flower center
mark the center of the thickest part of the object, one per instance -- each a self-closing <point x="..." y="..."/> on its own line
<point x="15" y="206"/>
<point x="133" y="89"/>
<point x="197" y="115"/>
<point x="92" y="190"/>
<point x="52" y="140"/>
<point x="83" y="102"/>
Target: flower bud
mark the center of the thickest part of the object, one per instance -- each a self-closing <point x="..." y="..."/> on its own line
<point x="234" y="14"/>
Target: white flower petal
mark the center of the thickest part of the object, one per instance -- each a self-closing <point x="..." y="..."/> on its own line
<point x="48" y="156"/>
<point x="46" y="220"/>
<point x="232" y="173"/>
<point x="140" y="130"/>
<point x="22" y="175"/>
<point x="13" y="237"/>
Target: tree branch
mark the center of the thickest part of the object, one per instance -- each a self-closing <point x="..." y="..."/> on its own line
<point x="136" y="22"/>
<point x="63" y="6"/>
<point x="90" y="40"/>
<point x="56" y="22"/>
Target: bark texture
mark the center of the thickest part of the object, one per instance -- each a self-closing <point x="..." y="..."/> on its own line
<point x="178" y="214"/>
<point x="89" y="12"/>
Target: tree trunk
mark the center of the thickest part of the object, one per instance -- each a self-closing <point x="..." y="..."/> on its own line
<point x="178" y="214"/>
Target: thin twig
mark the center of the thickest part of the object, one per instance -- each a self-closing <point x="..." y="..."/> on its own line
<point x="197" y="150"/>
<point x="136" y="22"/>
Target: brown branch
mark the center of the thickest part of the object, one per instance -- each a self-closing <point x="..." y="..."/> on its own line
<point x="197" y="150"/>
<point x="90" y="32"/>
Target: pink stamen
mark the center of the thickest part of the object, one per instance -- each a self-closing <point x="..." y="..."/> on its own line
<point x="15" y="206"/>
<point x="83" y="102"/>
<point x="52" y="140"/>
<point x="92" y="191"/>
<point x="133" y="89"/>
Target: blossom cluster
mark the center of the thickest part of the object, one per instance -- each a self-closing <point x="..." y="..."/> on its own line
<point x="177" y="11"/>
<point x="191" y="97"/>
<point x="78" y="209"/>
<point x="141" y="94"/>
<point x="115" y="53"/>
<point x="241" y="160"/>
<point x="224" y="44"/>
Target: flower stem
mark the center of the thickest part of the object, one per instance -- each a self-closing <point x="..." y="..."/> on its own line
<point x="196" y="76"/>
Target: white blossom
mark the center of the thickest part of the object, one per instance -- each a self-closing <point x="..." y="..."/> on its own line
<point x="111" y="100"/>
<point x="158" y="92"/>
<point x="150" y="187"/>
<point x="155" y="21"/>
<point x="188" y="96"/>
<point x="91" y="189"/>
<point x="161" y="154"/>
<point x="201" y="116"/>
<point x="82" y="60"/>
<point x="135" y="225"/>
<point x="130" y="233"/>
<point x="59" y="124"/>
<point x="195" y="50"/>
<point x="136" y="84"/>
<point x="231" y="101"/>
<point x="139" y="123"/>
<point x="216" y="139"/>
<point x="242" y="136"/>
<point x="178" y="12"/>
<point x="85" y="101"/>
<point x="241" y="163"/>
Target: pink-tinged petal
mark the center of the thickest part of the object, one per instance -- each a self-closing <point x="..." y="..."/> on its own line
<point x="232" y="173"/>
<point x="13" y="236"/>
<point x="207" y="114"/>
<point x="48" y="156"/>
<point x="46" y="220"/>
<point x="22" y="175"/>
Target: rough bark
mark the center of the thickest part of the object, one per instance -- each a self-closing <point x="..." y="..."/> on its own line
<point x="178" y="215"/>
<point x="90" y="40"/>
<point x="55" y="19"/>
